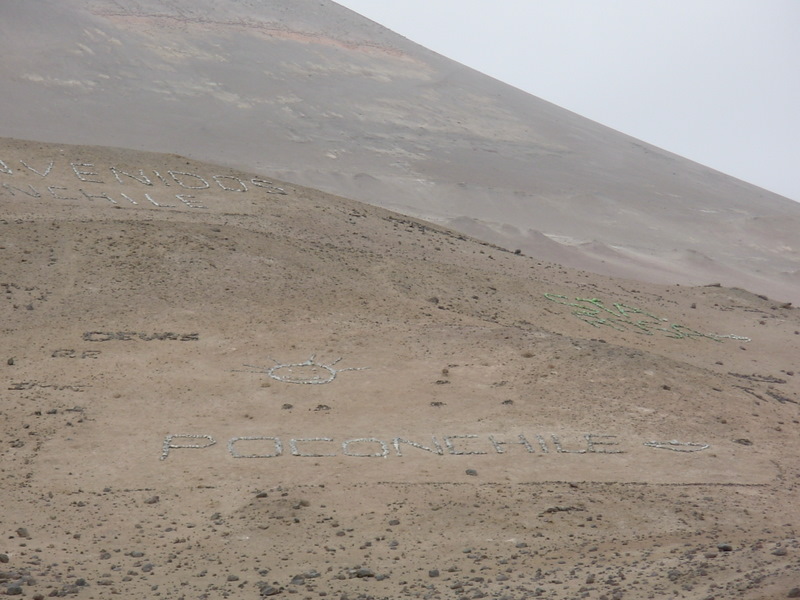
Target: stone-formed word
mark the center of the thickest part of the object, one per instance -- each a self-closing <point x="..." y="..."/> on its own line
<point x="266" y="446"/>
<point x="126" y="336"/>
<point x="114" y="176"/>
<point x="70" y="353"/>
<point x="622" y="317"/>
<point x="29" y="385"/>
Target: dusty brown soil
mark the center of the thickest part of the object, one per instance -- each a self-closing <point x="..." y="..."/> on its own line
<point x="264" y="390"/>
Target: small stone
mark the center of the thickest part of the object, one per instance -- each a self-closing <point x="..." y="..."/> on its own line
<point x="794" y="593"/>
<point x="471" y="472"/>
<point x="10" y="362"/>
<point x="152" y="500"/>
<point x="779" y="552"/>
<point x="3" y="558"/>
<point x="14" y="590"/>
<point x="233" y="577"/>
<point x="394" y="522"/>
<point x="265" y="589"/>
<point x="364" y="572"/>
<point x="724" y="547"/>
<point x="433" y="573"/>
<point x="23" y="532"/>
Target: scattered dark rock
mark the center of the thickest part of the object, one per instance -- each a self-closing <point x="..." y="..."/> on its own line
<point x="724" y="547"/>
<point x="472" y="472"/>
<point x="433" y="573"/>
<point x="152" y="500"/>
<point x="3" y="558"/>
<point x="364" y="572"/>
<point x="266" y="589"/>
<point x="744" y="442"/>
<point x="794" y="593"/>
<point x="394" y="522"/>
<point x="23" y="533"/>
<point x="10" y="362"/>
<point x="779" y="552"/>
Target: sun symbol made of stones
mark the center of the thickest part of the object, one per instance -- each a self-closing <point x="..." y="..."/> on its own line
<point x="307" y="372"/>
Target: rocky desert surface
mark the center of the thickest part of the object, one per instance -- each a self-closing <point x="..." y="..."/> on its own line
<point x="219" y="385"/>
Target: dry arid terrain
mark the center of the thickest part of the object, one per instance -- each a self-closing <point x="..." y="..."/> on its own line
<point x="216" y="385"/>
<point x="312" y="93"/>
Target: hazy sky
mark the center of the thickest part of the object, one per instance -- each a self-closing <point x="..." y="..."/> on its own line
<point x="716" y="81"/>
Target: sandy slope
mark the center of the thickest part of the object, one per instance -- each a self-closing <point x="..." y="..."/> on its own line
<point x="312" y="93"/>
<point x="289" y="393"/>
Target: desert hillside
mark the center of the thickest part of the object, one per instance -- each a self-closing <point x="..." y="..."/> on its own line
<point x="309" y="92"/>
<point x="218" y="385"/>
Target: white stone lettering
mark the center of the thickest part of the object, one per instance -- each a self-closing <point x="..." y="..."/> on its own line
<point x="142" y="178"/>
<point x="4" y="168"/>
<point x="593" y="440"/>
<point x="174" y="174"/>
<point x="185" y="198"/>
<point x="560" y="449"/>
<point x="267" y="185"/>
<point x="277" y="447"/>
<point x="240" y="188"/>
<point x="160" y="177"/>
<point x="46" y="171"/>
<point x="296" y="452"/>
<point x="93" y="196"/>
<point x="448" y="441"/>
<point x="382" y="454"/>
<point x="168" y="445"/>
<point x="498" y="445"/>
<point x="397" y="441"/>
<point x="81" y="174"/>
<point x="33" y="191"/>
<point x="52" y="189"/>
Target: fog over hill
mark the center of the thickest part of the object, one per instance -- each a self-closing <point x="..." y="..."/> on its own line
<point x="312" y="93"/>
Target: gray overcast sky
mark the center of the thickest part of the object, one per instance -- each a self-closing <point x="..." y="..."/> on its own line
<point x="716" y="81"/>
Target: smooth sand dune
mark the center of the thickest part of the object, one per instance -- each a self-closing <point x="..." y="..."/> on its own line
<point x="312" y="93"/>
<point x="221" y="386"/>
